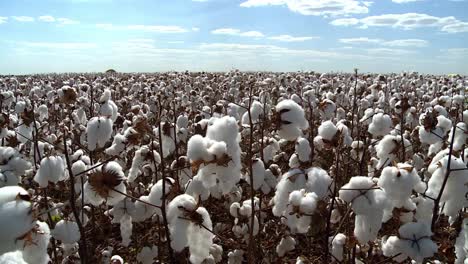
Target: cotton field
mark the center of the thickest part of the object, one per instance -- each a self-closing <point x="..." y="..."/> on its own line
<point x="236" y="167"/>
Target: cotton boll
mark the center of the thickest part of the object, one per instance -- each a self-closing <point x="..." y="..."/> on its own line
<point x="116" y="259"/>
<point x="105" y="183"/>
<point x="108" y="108"/>
<point x="12" y="166"/>
<point x="99" y="131"/>
<point x="197" y="148"/>
<point x="16" y="214"/>
<point x="13" y="257"/>
<point x="388" y="149"/>
<point x="318" y="182"/>
<point x="461" y="244"/>
<point x="381" y="125"/>
<point x="66" y="231"/>
<point x="303" y="149"/>
<point x="256" y="111"/>
<point x="414" y="241"/>
<point x="36" y="250"/>
<point x="272" y="147"/>
<point x="143" y="156"/>
<point x="461" y="135"/>
<point x="292" y="120"/>
<point x="453" y="197"/>
<point x="200" y="240"/>
<point x="51" y="170"/>
<point x="126" y="228"/>
<point x="258" y="173"/>
<point x="147" y="255"/>
<point x="156" y="193"/>
<point x="142" y="210"/>
<point x="327" y="130"/>
<point x="236" y="257"/>
<point x="337" y="244"/>
<point x="292" y="180"/>
<point x="327" y="109"/>
<point x="399" y="182"/>
<point x="286" y="244"/>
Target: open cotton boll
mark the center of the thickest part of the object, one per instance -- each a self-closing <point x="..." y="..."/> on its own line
<point x="25" y="132"/>
<point x="12" y="166"/>
<point x="197" y="148"/>
<point x="327" y="109"/>
<point x="43" y="112"/>
<point x="126" y="228"/>
<point x="156" y="193"/>
<point x="184" y="218"/>
<point x="454" y="194"/>
<point x="272" y="147"/>
<point x="12" y="257"/>
<point x="337" y="244"/>
<point x="200" y="240"/>
<point x="291" y="120"/>
<point x="236" y="256"/>
<point x="318" y="182"/>
<point x="108" y="108"/>
<point x="15" y="213"/>
<point x="105" y="183"/>
<point x="381" y="125"/>
<point x="327" y="130"/>
<point x="286" y="244"/>
<point x="196" y="188"/>
<point x="398" y="183"/>
<point x="147" y="255"/>
<point x="413" y="241"/>
<point x="98" y="131"/>
<point x="389" y="148"/>
<point x="303" y="149"/>
<point x="300" y="208"/>
<point x="258" y="173"/>
<point x="35" y="251"/>
<point x="256" y="111"/>
<point x="51" y="169"/>
<point x="116" y="259"/>
<point x="461" y="244"/>
<point x="142" y="156"/>
<point x="294" y="179"/>
<point x="461" y="134"/>
<point x="142" y="210"/>
<point x="368" y="203"/>
<point x="66" y="231"/>
<point x="118" y="146"/>
<point x="433" y="128"/>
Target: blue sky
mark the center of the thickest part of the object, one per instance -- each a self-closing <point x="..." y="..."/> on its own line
<point x="428" y="36"/>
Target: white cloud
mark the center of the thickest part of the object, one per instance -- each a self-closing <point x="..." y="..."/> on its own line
<point x="392" y="43"/>
<point x="46" y="18"/>
<point x="406" y="21"/>
<point x="345" y="22"/>
<point x="195" y="29"/>
<point x="361" y="40"/>
<point x="147" y="28"/>
<point x="23" y="18"/>
<point x="406" y="43"/>
<point x="237" y="32"/>
<point x="3" y="19"/>
<point x="289" y="38"/>
<point x="389" y="52"/>
<point x="405" y="1"/>
<point x="316" y="7"/>
<point x="67" y="21"/>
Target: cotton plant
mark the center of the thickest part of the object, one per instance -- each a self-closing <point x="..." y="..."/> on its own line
<point x="433" y="127"/>
<point x="414" y="242"/>
<point x="12" y="166"/>
<point x="187" y="222"/>
<point x="242" y="212"/>
<point x="336" y="246"/>
<point x="290" y="120"/>
<point x="461" y="244"/>
<point x="453" y="197"/>
<point x="216" y="157"/>
<point x="389" y="148"/>
<point x="313" y="180"/>
<point x="381" y="125"/>
<point x="146" y="154"/>
<point x="105" y="183"/>
<point x="98" y="131"/>
<point x="368" y="203"/>
<point x="51" y="169"/>
<point x="108" y="108"/>
<point x="302" y="153"/>
<point x="301" y="207"/>
<point x="398" y="182"/>
<point x="287" y="244"/>
<point x="24" y="235"/>
<point x="331" y="135"/>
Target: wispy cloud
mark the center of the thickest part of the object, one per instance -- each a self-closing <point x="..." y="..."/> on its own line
<point x="59" y="45"/>
<point x="23" y="18"/>
<point x="237" y="32"/>
<point x="3" y="19"/>
<point x="46" y="18"/>
<point x="315" y="8"/>
<point x="405" y="1"/>
<point x="391" y="43"/>
<point x="147" y="28"/>
<point x="406" y="21"/>
<point x="289" y="38"/>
